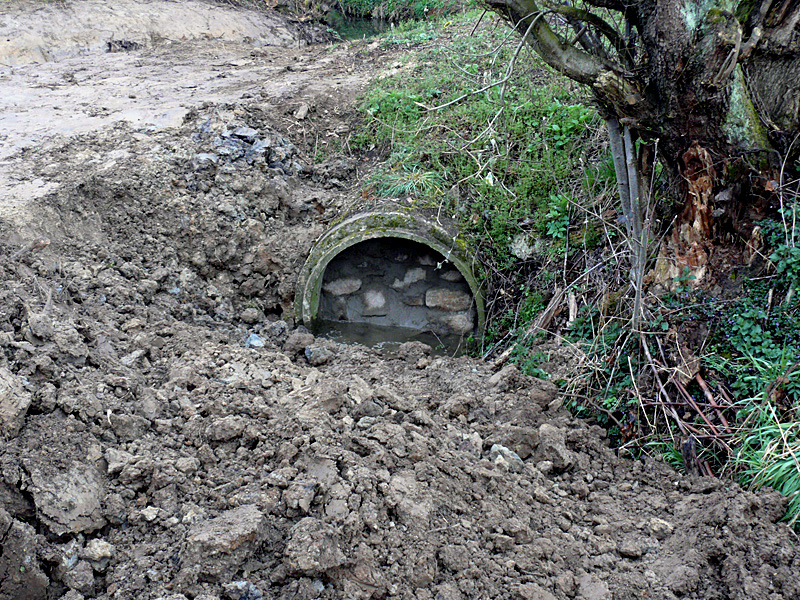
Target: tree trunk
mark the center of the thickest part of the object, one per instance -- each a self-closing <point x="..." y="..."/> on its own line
<point x="713" y="84"/>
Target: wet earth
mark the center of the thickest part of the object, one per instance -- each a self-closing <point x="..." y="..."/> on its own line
<point x="167" y="431"/>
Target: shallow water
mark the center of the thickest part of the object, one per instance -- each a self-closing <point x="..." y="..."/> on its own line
<point x="388" y="339"/>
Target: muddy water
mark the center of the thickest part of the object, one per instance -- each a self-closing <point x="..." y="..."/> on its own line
<point x="388" y="339"/>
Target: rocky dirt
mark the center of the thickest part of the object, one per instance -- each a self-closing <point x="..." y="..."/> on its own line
<point x="169" y="434"/>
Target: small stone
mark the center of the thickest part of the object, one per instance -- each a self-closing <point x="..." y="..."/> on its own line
<point x="330" y="395"/>
<point x="80" y="578"/>
<point x="337" y="510"/>
<point x="276" y="329"/>
<point x="591" y="588"/>
<point x="342" y="287"/>
<point x="411" y="276"/>
<point x="150" y="513"/>
<point x="147" y="287"/>
<point x="130" y="360"/>
<point x="128" y="427"/>
<point x="452" y="275"/>
<point x="510" y="460"/>
<point x="297" y="341"/>
<point x="98" y="553"/>
<point x="682" y="580"/>
<point x="543" y="393"/>
<point x="242" y="590"/>
<point x="187" y="464"/>
<point x="423" y="571"/>
<point x="522" y="440"/>
<point x="503" y="543"/>
<point x="318" y="355"/>
<point x="226" y="428"/>
<point x="375" y="304"/>
<point x="204" y="160"/>
<point x="367" y="408"/>
<point x="454" y="558"/>
<point x="302" y="111"/>
<point x="246" y="133"/>
<point x="223" y="544"/>
<point x="565" y="582"/>
<point x="366" y="422"/>
<point x="252" y="315"/>
<point x="68" y="500"/>
<point x="460" y="323"/>
<point x="300" y="495"/>
<point x="254" y="341"/>
<point x="117" y="460"/>
<point x="413" y="351"/>
<point x="604" y="529"/>
<point x="446" y="299"/>
<point x="531" y="591"/>
<point x="629" y="548"/>
<point x="132" y="324"/>
<point x="659" y="528"/>
<point x="505" y="378"/>
<point x="552" y="447"/>
<point x="580" y="489"/>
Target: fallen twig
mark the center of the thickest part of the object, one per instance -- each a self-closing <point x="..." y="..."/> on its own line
<point x="710" y="397"/>
<point x="662" y="389"/>
<point x="688" y="397"/>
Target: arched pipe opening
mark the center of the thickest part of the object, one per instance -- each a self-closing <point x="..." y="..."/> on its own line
<point x="391" y="268"/>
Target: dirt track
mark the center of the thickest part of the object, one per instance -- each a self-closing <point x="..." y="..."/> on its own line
<point x="168" y="436"/>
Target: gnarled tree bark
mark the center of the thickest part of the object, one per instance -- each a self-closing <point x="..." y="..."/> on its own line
<point x="715" y="82"/>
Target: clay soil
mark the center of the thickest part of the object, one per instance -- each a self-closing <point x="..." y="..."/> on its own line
<point x="167" y="432"/>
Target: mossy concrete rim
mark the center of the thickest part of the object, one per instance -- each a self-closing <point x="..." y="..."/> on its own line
<point x="374" y="224"/>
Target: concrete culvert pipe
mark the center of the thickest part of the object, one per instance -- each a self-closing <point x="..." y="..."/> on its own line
<point x="392" y="266"/>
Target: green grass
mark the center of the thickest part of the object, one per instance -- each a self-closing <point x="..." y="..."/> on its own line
<point x="768" y="454"/>
<point x="401" y="10"/>
<point x="502" y="151"/>
<point x="507" y="154"/>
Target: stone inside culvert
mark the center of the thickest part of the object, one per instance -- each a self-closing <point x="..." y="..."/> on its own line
<point x="397" y="283"/>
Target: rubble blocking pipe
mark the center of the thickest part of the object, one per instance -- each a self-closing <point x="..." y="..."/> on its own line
<point x="392" y="221"/>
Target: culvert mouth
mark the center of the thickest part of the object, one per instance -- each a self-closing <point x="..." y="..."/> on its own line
<point x="389" y="274"/>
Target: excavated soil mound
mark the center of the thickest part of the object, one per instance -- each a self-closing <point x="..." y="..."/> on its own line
<point x="167" y="435"/>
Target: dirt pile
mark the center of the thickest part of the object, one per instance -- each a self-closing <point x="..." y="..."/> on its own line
<point x="167" y="435"/>
<point x="161" y="456"/>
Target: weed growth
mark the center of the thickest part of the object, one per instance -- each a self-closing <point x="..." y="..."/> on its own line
<point x="499" y="151"/>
